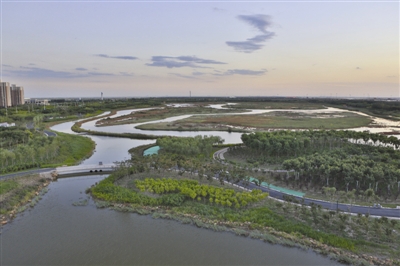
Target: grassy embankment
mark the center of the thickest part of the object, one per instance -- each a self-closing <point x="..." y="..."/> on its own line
<point x="19" y="193"/>
<point x="273" y="120"/>
<point x="73" y="150"/>
<point x="340" y="236"/>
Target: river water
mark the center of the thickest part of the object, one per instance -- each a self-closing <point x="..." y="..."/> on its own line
<point x="55" y="232"/>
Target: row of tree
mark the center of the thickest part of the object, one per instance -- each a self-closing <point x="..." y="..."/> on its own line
<point x="345" y="160"/>
<point x="295" y="143"/>
<point x="189" y="146"/>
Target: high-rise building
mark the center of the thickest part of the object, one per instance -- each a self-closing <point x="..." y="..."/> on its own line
<point x="5" y="94"/>
<point x="17" y="95"/>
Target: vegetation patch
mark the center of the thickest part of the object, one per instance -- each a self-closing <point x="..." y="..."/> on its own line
<point x="19" y="193"/>
<point x="161" y="113"/>
<point x="25" y="149"/>
<point x="273" y="120"/>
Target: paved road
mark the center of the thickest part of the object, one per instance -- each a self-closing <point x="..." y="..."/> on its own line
<point x="33" y="171"/>
<point x="220" y="154"/>
<point x="388" y="212"/>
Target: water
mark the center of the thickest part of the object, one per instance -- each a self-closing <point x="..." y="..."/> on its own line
<point x="233" y="137"/>
<point x="57" y="233"/>
<point x="108" y="149"/>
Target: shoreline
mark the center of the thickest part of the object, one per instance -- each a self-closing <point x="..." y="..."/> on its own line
<point x="247" y="229"/>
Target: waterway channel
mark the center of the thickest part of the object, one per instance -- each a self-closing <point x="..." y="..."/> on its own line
<point x="55" y="232"/>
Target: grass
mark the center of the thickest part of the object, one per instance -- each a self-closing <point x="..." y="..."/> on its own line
<point x="73" y="149"/>
<point x="18" y="191"/>
<point x="274" y="120"/>
<point x="7" y="185"/>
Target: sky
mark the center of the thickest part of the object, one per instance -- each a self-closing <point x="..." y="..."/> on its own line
<point x="201" y="48"/>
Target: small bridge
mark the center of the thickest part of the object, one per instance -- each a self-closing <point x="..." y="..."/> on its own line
<point x="92" y="169"/>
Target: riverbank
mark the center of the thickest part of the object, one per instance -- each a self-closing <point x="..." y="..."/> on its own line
<point x="337" y="235"/>
<point x="78" y="129"/>
<point x="20" y="193"/>
<point x="248" y="229"/>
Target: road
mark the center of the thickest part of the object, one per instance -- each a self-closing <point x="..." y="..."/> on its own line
<point x="388" y="212"/>
<point x="32" y="171"/>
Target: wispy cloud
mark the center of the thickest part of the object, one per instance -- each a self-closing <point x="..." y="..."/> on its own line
<point x="126" y="74"/>
<point x="183" y="76"/>
<point x="261" y="23"/>
<point x="36" y="72"/>
<point x="245" y="72"/>
<point x="99" y="74"/>
<point x="197" y="73"/>
<point x="123" y="57"/>
<point x="81" y="69"/>
<point x="358" y="68"/>
<point x="181" y="61"/>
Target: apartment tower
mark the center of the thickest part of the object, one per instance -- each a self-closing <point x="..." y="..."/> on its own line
<point x="5" y="94"/>
<point x="17" y="95"/>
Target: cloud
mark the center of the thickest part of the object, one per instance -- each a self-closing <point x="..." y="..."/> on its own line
<point x="181" y="61"/>
<point x="245" y="72"/>
<point x="99" y="74"/>
<point x="392" y="76"/>
<point x="182" y="76"/>
<point x="4" y="65"/>
<point x="36" y="72"/>
<point x="81" y="69"/>
<point x="196" y="73"/>
<point x="261" y="23"/>
<point x="126" y="74"/>
<point x="246" y="46"/>
<point x="358" y="68"/>
<point x="123" y="57"/>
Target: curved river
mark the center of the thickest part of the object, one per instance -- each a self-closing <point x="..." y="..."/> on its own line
<point x="55" y="232"/>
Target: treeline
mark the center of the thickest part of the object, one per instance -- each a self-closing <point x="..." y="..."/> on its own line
<point x="12" y="136"/>
<point x="346" y="173"/>
<point x="287" y="143"/>
<point x="189" y="146"/>
<point x="345" y="160"/>
<point x="37" y="150"/>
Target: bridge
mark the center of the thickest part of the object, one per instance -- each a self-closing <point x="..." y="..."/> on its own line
<point x="92" y="169"/>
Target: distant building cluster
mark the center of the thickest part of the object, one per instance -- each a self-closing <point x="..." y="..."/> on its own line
<point x="11" y="95"/>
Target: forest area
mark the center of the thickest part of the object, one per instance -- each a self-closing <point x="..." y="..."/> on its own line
<point x="345" y="160"/>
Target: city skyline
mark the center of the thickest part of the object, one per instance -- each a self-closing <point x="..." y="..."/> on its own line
<point x="158" y="49"/>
